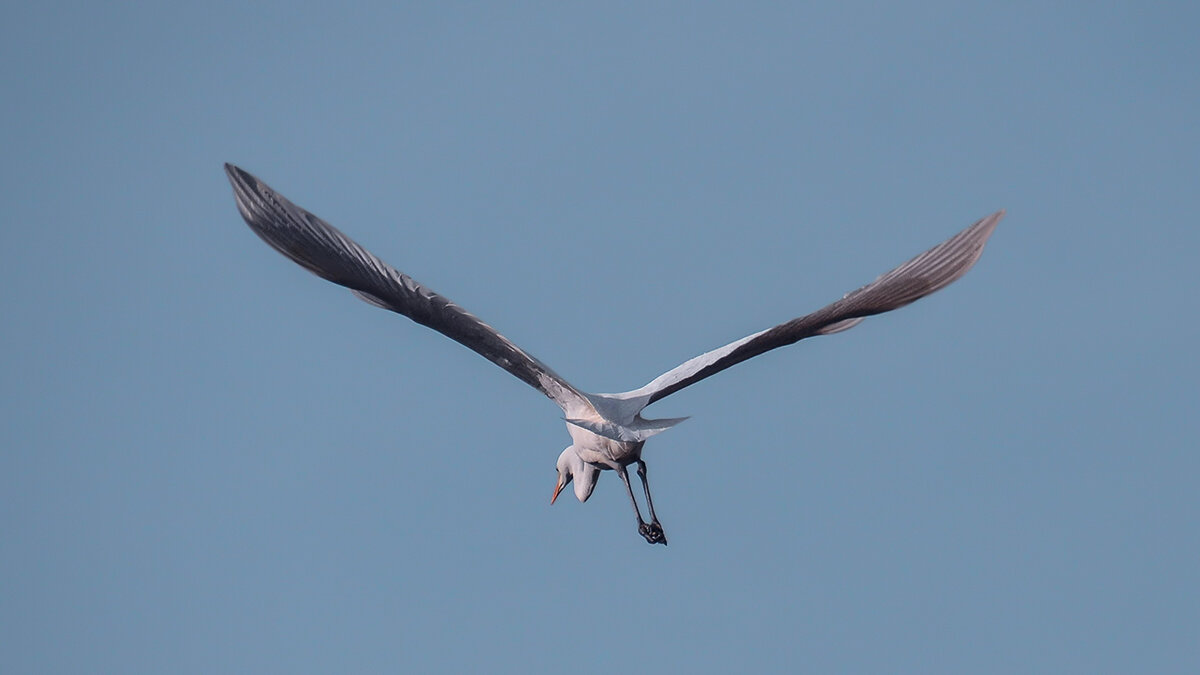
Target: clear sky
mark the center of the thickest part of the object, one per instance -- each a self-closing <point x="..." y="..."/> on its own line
<point x="213" y="462"/>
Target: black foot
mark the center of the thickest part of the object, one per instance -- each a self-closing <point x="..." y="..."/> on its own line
<point x="653" y="533"/>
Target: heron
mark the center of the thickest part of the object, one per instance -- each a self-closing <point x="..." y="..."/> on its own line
<point x="608" y="431"/>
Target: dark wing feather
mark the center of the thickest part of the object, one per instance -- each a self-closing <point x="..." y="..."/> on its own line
<point x="323" y="250"/>
<point x="932" y="270"/>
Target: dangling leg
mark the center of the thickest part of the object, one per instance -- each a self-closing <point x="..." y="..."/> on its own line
<point x="652" y="533"/>
<point x="654" y="527"/>
<point x="625" y="479"/>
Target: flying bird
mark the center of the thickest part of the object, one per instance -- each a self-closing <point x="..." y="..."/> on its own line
<point x="607" y="430"/>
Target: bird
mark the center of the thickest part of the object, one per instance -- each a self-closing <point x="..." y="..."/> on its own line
<point x="607" y="431"/>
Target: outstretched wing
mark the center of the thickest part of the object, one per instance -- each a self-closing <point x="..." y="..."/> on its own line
<point x="320" y="248"/>
<point x="932" y="270"/>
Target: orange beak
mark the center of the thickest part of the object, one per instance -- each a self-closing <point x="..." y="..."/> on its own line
<point x="557" y="489"/>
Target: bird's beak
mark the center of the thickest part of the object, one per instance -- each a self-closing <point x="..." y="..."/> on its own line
<point x="557" y="489"/>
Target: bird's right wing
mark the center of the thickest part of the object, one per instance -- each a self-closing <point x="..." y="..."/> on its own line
<point x="323" y="250"/>
<point x="932" y="270"/>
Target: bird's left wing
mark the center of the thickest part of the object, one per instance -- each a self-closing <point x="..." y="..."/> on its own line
<point x="323" y="250"/>
<point x="932" y="270"/>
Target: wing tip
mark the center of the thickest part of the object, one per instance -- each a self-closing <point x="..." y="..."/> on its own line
<point x="976" y="238"/>
<point x="988" y="224"/>
<point x="237" y="174"/>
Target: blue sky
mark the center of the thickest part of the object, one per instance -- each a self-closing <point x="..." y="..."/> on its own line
<point x="211" y="461"/>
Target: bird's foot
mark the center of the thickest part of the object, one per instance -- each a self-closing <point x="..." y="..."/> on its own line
<point x="653" y="533"/>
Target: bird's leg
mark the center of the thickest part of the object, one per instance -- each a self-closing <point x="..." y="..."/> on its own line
<point x="654" y="525"/>
<point x="625" y="479"/>
<point x="652" y="533"/>
<point x="646" y="487"/>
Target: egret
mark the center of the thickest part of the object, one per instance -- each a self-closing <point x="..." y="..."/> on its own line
<point x="607" y="430"/>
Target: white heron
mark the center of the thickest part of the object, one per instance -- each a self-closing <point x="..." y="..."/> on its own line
<point x="607" y="430"/>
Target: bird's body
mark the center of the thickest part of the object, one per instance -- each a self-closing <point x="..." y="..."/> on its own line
<point x="608" y="431"/>
<point x="602" y="452"/>
<point x="588" y="455"/>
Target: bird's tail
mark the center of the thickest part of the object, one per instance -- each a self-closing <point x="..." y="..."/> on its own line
<point x="636" y="431"/>
<point x="621" y="418"/>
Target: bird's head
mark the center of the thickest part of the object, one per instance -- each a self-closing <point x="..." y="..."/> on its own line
<point x="573" y="469"/>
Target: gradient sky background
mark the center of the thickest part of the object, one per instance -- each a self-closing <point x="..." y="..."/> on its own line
<point x="211" y="461"/>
